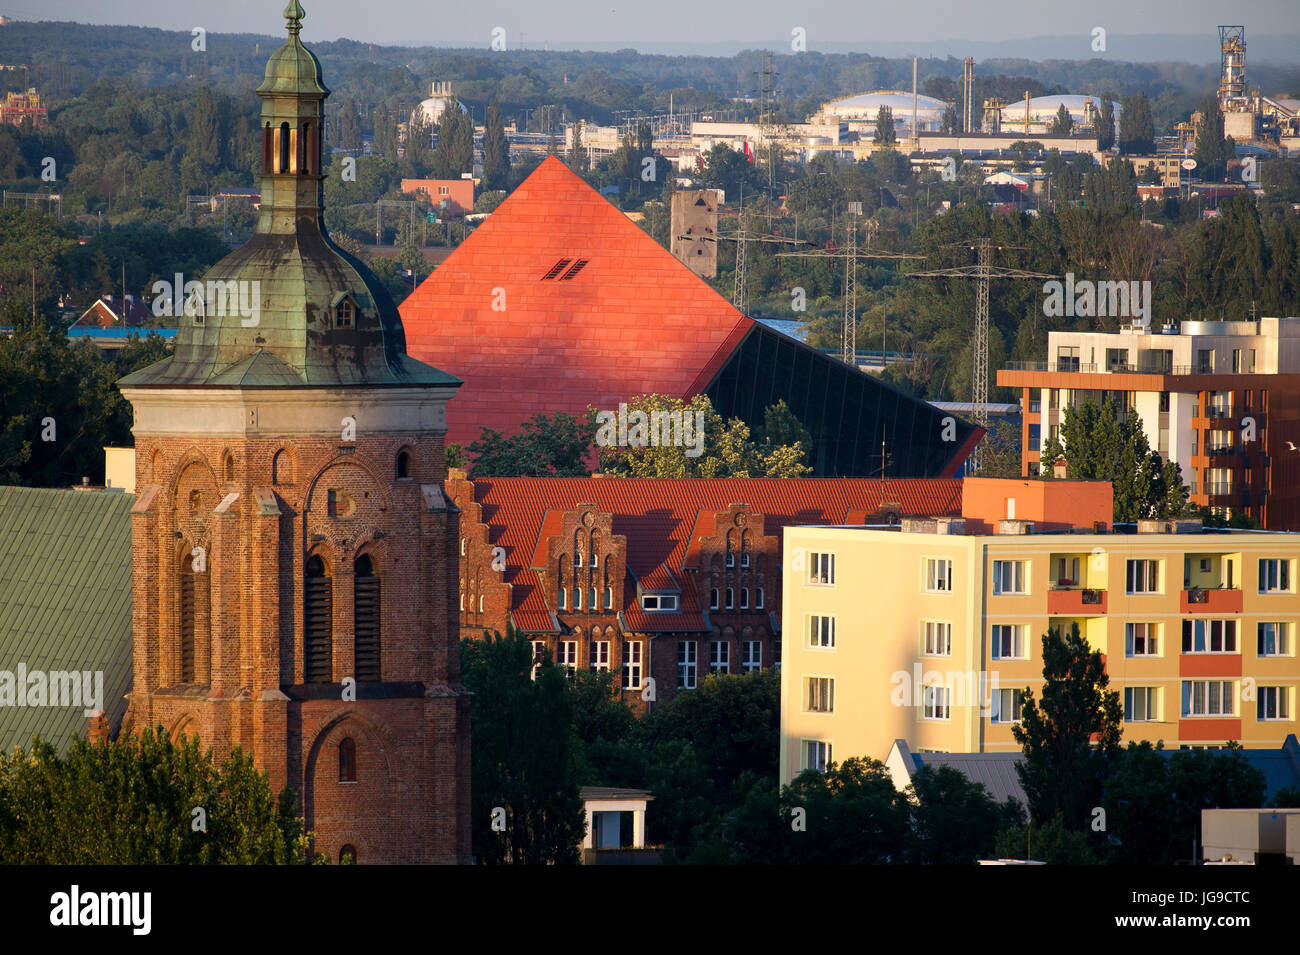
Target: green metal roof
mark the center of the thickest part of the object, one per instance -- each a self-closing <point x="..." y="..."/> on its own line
<point x="65" y="601"/>
<point x="293" y="68"/>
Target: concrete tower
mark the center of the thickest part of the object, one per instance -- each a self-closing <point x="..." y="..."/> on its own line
<point x="294" y="556"/>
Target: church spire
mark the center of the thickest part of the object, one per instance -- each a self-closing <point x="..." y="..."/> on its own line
<point x="294" y="13"/>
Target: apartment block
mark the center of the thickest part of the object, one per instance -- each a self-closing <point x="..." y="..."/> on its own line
<point x="1220" y="399"/>
<point x="929" y="632"/>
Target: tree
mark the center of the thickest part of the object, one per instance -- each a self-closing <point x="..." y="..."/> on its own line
<point x="954" y="820"/>
<point x="1063" y="122"/>
<point x="577" y="158"/>
<point x="1001" y="451"/>
<point x="525" y="804"/>
<point x="133" y="802"/>
<point x="350" y="125"/>
<point x="1062" y="771"/>
<point x="709" y="446"/>
<point x="1136" y="128"/>
<point x="1098" y="444"/>
<point x="885" y="134"/>
<point x="1211" y="152"/>
<point x="544" y="447"/>
<point x="951" y="124"/>
<point x="496" y="151"/>
<point x="1106" y="122"/>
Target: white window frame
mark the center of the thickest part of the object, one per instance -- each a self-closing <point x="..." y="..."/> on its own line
<point x="715" y="596"/>
<point x="936" y="638"/>
<point x="688" y="655"/>
<point x="815" y="754"/>
<point x="600" y="654"/>
<point x="609" y="598"/>
<point x="1280" y="699"/>
<point x="751" y="655"/>
<point x="1281" y="641"/>
<point x="1226" y="692"/>
<point x="744" y="598"/>
<point x="720" y="656"/>
<point x="1019" y="647"/>
<point x="936" y="575"/>
<point x="819" y="694"/>
<point x="567" y="654"/>
<point x="936" y="703"/>
<point x="659" y="603"/>
<point x="821" y="569"/>
<point x="1275" y="576"/>
<point x="1227" y="631"/>
<point x="820" y="636"/>
<point x="998" y="706"/>
<point x="1143" y="576"/>
<point x="1018" y="571"/>
<point x="1149" y="637"/>
<point x="632" y="664"/>
<point x="1150" y="699"/>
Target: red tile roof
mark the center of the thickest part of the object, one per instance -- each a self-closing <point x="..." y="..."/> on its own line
<point x="632" y="321"/>
<point x="661" y="519"/>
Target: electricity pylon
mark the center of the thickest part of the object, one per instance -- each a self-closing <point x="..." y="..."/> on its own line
<point x="982" y="271"/>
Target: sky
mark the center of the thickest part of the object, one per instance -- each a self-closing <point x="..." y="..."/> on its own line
<point x="570" y="24"/>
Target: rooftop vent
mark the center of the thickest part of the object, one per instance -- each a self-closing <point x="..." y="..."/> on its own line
<point x="1015" y="528"/>
<point x="1189" y="526"/>
<point x="556" y="269"/>
<point x="574" y="270"/>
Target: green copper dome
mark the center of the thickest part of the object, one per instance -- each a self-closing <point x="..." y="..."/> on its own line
<point x="289" y="308"/>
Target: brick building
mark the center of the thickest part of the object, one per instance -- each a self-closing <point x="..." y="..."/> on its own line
<point x="291" y="543"/>
<point x="450" y="197"/>
<point x="669" y="579"/>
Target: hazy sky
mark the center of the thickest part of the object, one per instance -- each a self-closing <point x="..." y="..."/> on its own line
<point x="570" y="23"/>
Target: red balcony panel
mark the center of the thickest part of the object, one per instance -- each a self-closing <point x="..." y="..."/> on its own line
<point x="1209" y="729"/>
<point x="1210" y="664"/>
<point x="1210" y="601"/>
<point x="1076" y="602"/>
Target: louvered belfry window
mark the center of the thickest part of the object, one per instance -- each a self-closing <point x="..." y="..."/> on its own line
<point x="318" y="623"/>
<point x="188" y="613"/>
<point x="365" y="610"/>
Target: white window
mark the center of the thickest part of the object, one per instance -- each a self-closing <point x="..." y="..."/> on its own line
<point x="686" y="656"/>
<point x="731" y="598"/>
<point x="577" y="598"/>
<point x="1273" y="703"/>
<point x="1008" y="577"/>
<point x="1209" y="698"/>
<point x="609" y="598"/>
<point x="539" y="651"/>
<point x="936" y="702"/>
<point x="819" y="694"/>
<point x="462" y="547"/>
<point x="1141" y="704"/>
<point x="821" y="569"/>
<point x="744" y="598"/>
<point x="1209" y="636"/>
<point x="713" y="598"/>
<point x="480" y="603"/>
<point x="462" y="601"/>
<point x="731" y="559"/>
<point x="1141" y="640"/>
<point x="816" y="754"/>
<point x="744" y="559"/>
<point x="751" y="655"/>
<point x="1274" y="640"/>
<point x="758" y="599"/>
<point x="591" y="599"/>
<point x="821" y="632"/>
<point x="1274" y="576"/>
<point x="600" y="654"/>
<point x="938" y="575"/>
<point x="1005" y="706"/>
<point x="1009" y="642"/>
<point x="1143" y="576"/>
<point x="719" y="656"/>
<point x="659" y="602"/>
<point x="631" y="664"/>
<point x="936" y="638"/>
<point x="564" y="598"/>
<point x="568" y="655"/>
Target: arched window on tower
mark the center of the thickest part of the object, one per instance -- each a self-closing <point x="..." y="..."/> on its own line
<point x="284" y="149"/>
<point x="304" y="152"/>
<point x="230" y="467"/>
<point x="268" y="150"/>
<point x="403" y="464"/>
<point x="282" y="468"/>
<point x="366" y="617"/>
<point x="347" y="760"/>
<point x="348" y="855"/>
<point x="318" y="623"/>
<point x="189" y="616"/>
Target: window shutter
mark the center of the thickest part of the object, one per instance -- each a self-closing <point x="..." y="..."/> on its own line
<point x="318" y="630"/>
<point x="366" y="616"/>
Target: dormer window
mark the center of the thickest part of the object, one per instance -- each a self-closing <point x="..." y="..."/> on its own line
<point x="194" y="307"/>
<point x="659" y="602"/>
<point x="345" y="313"/>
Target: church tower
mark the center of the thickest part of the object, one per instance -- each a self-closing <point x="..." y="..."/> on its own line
<point x="294" y="557"/>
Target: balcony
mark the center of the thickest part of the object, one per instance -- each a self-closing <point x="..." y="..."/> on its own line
<point x="1210" y="600"/>
<point x="1076" y="601"/>
<point x="1061" y="365"/>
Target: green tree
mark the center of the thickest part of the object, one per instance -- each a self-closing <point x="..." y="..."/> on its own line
<point x="1212" y="152"/>
<point x="545" y="446"/>
<point x="1106" y="122"/>
<point x="525" y="804"/>
<point x="1063" y="122"/>
<point x="1063" y="768"/>
<point x="885" y="134"/>
<point x="954" y="820"/>
<point x="350" y="125"/>
<point x="1054" y="843"/>
<point x="496" y="151"/>
<point x="1136" y="128"/>
<point x="1098" y="444"/>
<point x="132" y="802"/>
<point x="577" y="158"/>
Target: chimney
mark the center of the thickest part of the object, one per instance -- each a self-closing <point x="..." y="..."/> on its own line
<point x="1061" y="468"/>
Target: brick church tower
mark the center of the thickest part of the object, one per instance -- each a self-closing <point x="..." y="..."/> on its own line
<point x="294" y="556"/>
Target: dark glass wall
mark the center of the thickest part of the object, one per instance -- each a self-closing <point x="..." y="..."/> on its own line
<point x="848" y="412"/>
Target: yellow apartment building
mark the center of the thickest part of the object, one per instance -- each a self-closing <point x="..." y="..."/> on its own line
<point x="928" y="633"/>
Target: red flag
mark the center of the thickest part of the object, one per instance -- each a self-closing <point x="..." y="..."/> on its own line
<point x="749" y="153"/>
